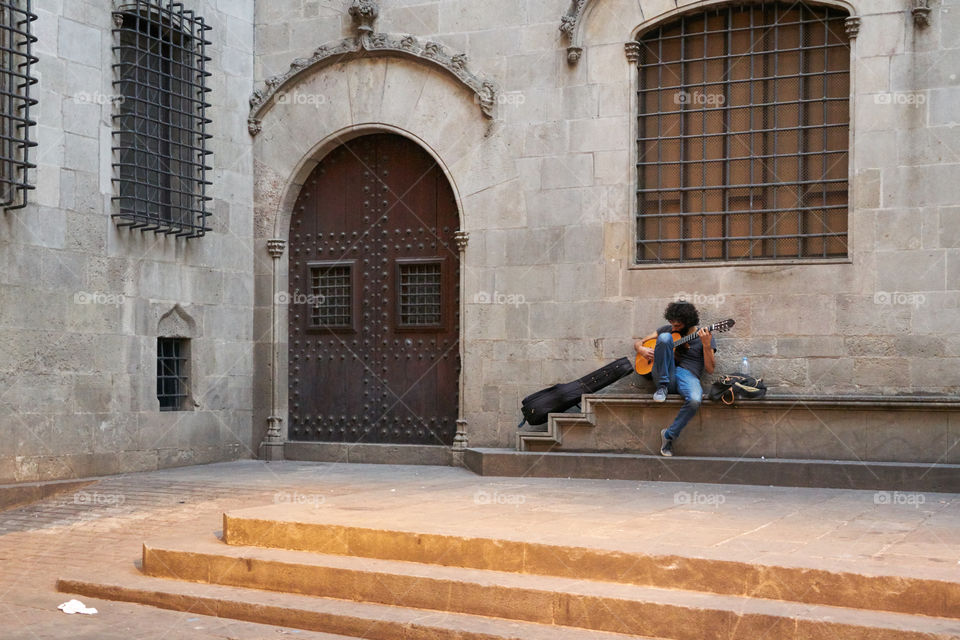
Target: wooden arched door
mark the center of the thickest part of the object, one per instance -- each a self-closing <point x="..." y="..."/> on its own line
<point x="374" y="298"/>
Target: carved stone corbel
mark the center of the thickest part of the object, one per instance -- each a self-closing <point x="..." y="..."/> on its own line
<point x="921" y="13"/>
<point x="364" y="14"/>
<point x="633" y="52"/>
<point x="461" y="239"/>
<point x="570" y="27"/>
<point x="852" y="26"/>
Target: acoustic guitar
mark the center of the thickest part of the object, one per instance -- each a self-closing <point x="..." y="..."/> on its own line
<point x="644" y="366"/>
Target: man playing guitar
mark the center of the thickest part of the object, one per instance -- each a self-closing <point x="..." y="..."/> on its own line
<point x="680" y="372"/>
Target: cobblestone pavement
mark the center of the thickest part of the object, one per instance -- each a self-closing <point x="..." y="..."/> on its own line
<point x="105" y="523"/>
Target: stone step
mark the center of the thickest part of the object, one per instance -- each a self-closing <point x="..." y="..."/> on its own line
<point x="340" y="617"/>
<point x="777" y="472"/>
<point x="858" y="585"/>
<point x="546" y="600"/>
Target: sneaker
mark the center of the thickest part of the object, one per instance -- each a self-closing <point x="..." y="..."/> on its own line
<point x="660" y="395"/>
<point x="666" y="444"/>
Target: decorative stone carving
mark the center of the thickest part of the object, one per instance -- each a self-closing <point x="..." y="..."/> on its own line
<point x="364" y="14"/>
<point x="570" y="27"/>
<point x="276" y="247"/>
<point x="633" y="52"/>
<point x="177" y="323"/>
<point x="921" y="13"/>
<point x="433" y="50"/>
<point x="299" y="63"/>
<point x="118" y="20"/>
<point x="460" y="440"/>
<point x="382" y="43"/>
<point x="852" y="26"/>
<point x="461" y="238"/>
<point x="274" y="430"/>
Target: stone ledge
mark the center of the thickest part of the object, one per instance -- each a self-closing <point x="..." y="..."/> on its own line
<point x="916" y="429"/>
<point x="17" y="495"/>
<point x="865" y="402"/>
<point x="828" y="474"/>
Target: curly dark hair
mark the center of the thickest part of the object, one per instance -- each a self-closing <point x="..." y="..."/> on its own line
<point x="682" y="311"/>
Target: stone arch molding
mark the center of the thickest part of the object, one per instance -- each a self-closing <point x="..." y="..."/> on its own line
<point x="177" y="323"/>
<point x="572" y="22"/>
<point x="370" y="42"/>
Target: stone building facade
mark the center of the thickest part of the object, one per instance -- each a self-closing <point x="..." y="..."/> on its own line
<point x="530" y="111"/>
<point x="83" y="299"/>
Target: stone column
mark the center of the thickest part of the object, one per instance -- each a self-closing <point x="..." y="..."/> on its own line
<point x="460" y="440"/>
<point x="272" y="446"/>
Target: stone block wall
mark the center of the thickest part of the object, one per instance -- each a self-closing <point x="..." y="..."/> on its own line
<point x="547" y="190"/>
<point x="82" y="301"/>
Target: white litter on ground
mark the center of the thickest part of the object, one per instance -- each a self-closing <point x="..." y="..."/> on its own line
<point x="75" y="606"/>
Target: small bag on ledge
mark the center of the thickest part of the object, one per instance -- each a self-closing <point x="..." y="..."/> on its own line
<point x="731" y="386"/>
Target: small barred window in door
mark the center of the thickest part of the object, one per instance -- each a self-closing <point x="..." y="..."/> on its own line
<point x="420" y="294"/>
<point x="332" y="291"/>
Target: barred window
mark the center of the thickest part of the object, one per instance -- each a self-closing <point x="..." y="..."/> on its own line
<point x="742" y="135"/>
<point x="172" y="379"/>
<point x="419" y="296"/>
<point x="159" y="132"/>
<point x="16" y="63"/>
<point x="332" y="295"/>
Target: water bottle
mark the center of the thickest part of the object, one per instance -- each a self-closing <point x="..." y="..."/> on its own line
<point x="745" y="366"/>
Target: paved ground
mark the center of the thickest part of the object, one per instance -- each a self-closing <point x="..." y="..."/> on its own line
<point x="105" y="523"/>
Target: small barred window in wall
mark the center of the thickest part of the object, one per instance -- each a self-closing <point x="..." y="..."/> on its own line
<point x="743" y="134"/>
<point x="159" y="122"/>
<point x="16" y="65"/>
<point x="172" y="380"/>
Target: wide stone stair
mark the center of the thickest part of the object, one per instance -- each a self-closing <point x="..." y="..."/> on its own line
<point x="276" y="566"/>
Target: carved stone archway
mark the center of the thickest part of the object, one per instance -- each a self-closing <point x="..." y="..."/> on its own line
<point x="369" y="42"/>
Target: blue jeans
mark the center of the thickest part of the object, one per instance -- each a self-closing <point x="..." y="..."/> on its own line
<point x="677" y="380"/>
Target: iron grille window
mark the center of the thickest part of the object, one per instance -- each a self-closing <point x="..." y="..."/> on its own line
<point x="172" y="389"/>
<point x="160" y="124"/>
<point x="743" y="135"/>
<point x="332" y="290"/>
<point x="420" y="294"/>
<point x="16" y="60"/>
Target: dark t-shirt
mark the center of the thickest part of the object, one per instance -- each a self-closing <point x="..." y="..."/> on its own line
<point x="690" y="355"/>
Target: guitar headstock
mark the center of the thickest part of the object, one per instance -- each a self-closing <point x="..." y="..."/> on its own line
<point x="723" y="325"/>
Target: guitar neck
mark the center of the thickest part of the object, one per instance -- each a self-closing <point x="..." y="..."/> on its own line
<point x="692" y="336"/>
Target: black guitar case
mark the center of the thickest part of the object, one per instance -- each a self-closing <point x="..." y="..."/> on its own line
<point x="560" y="397"/>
